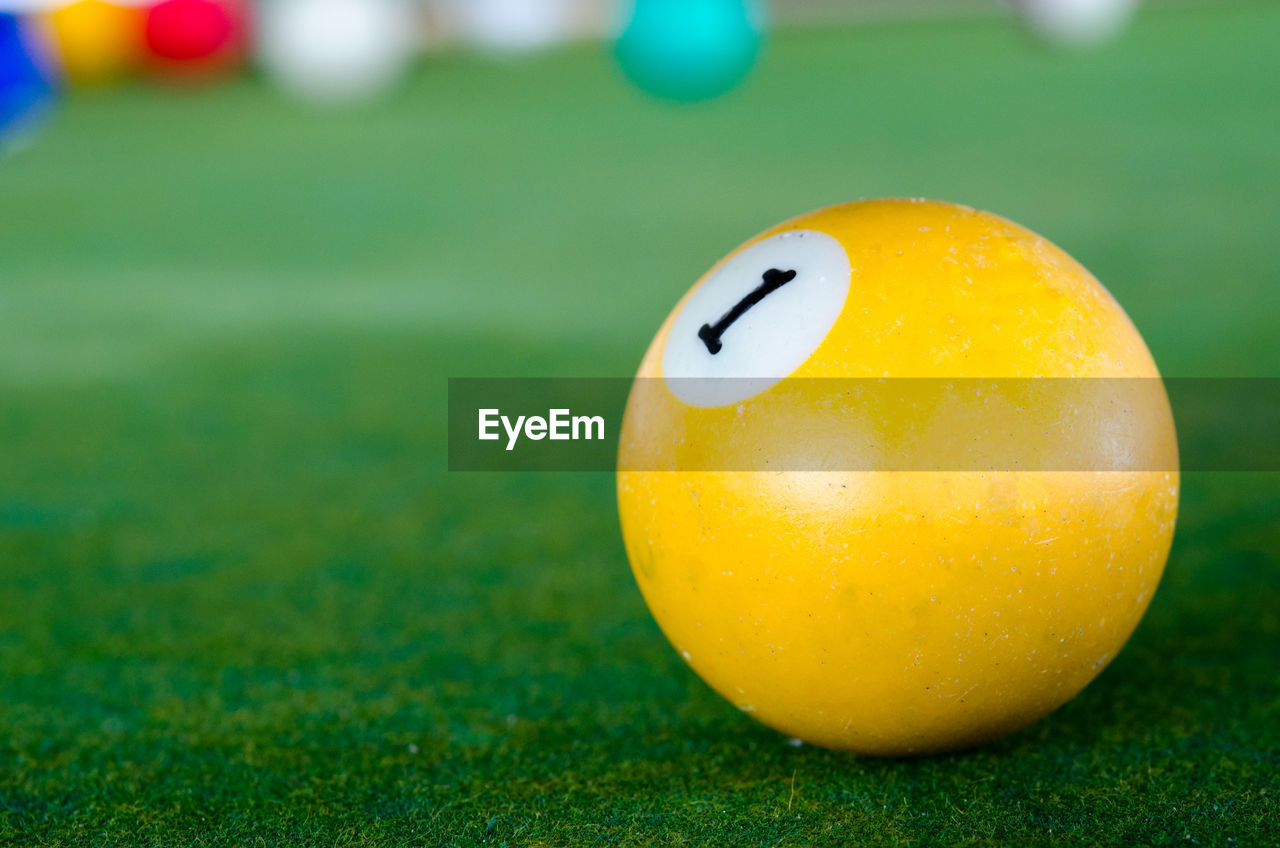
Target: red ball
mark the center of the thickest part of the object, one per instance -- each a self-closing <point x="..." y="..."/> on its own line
<point x="195" y="37"/>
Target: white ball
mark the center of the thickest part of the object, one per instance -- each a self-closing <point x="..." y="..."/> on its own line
<point x="27" y="7"/>
<point x="1076" y="22"/>
<point x="336" y="50"/>
<point x="516" y="25"/>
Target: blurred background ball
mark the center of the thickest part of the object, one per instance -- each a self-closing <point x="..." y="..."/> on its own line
<point x="195" y="38"/>
<point x="512" y="26"/>
<point x="97" y="42"/>
<point x="26" y="83"/>
<point x="336" y="50"/>
<point x="689" y="49"/>
<point x="1076" y="23"/>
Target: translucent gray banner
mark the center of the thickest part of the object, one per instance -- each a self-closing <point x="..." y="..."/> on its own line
<point x="988" y="424"/>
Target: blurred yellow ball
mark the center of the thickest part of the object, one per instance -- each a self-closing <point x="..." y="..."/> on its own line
<point x="97" y="42"/>
<point x="890" y="612"/>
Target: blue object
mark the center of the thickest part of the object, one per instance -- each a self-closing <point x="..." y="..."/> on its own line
<point x="689" y="49"/>
<point x="26" y="89"/>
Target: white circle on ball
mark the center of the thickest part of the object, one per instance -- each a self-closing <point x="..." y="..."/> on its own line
<point x="756" y="319"/>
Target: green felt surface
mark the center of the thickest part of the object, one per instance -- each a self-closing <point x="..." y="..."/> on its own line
<point x="242" y="604"/>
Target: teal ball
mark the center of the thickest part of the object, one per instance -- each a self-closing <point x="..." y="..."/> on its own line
<point x="689" y="50"/>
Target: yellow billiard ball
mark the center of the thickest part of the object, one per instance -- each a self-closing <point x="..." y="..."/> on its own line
<point x="97" y="41"/>
<point x="891" y="612"/>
